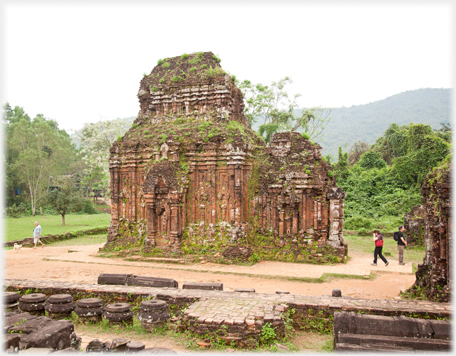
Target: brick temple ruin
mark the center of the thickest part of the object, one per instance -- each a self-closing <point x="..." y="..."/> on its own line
<point x="190" y="173"/>
<point x="430" y="224"/>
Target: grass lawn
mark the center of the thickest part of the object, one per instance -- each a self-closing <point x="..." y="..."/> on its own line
<point x="21" y="228"/>
<point x="365" y="244"/>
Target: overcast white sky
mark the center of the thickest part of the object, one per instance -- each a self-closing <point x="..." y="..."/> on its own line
<point x="80" y="61"/>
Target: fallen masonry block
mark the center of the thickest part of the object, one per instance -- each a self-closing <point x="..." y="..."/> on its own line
<point x="245" y="290"/>
<point x="57" y="335"/>
<point x="151" y="282"/>
<point x="98" y="346"/>
<point x="119" y="345"/>
<point x="11" y="341"/>
<point x="31" y="325"/>
<point x="412" y="343"/>
<point x="113" y="278"/>
<point x="204" y="286"/>
<point x="353" y="331"/>
<point x="12" y="320"/>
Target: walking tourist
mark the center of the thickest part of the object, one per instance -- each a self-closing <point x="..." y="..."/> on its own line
<point x="37" y="234"/>
<point x="378" y="239"/>
<point x="401" y="244"/>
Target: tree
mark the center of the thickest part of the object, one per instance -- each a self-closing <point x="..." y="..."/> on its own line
<point x="64" y="197"/>
<point x="11" y="116"/>
<point x="341" y="167"/>
<point x="96" y="139"/>
<point x="278" y="111"/>
<point x="36" y="151"/>
<point x="356" y="151"/>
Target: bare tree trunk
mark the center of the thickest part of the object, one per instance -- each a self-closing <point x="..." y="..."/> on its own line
<point x="63" y="219"/>
<point x="41" y="211"/>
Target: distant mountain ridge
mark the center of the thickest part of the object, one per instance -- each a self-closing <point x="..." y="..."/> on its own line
<point x="369" y="121"/>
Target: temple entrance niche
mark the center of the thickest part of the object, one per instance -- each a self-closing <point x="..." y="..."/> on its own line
<point x="164" y="210"/>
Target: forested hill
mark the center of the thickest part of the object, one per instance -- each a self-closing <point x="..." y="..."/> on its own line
<point x="369" y="121"/>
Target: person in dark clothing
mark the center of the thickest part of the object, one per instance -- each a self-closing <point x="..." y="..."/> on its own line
<point x="401" y="244"/>
<point x="378" y="239"/>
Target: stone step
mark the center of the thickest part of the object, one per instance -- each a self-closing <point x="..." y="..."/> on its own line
<point x="412" y="343"/>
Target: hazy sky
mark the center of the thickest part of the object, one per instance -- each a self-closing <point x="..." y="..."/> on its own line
<point x="81" y="61"/>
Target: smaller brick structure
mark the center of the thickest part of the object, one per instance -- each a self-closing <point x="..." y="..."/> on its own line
<point x="433" y="277"/>
<point x="235" y="320"/>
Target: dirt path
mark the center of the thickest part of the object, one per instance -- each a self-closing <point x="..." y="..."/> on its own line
<point x="56" y="263"/>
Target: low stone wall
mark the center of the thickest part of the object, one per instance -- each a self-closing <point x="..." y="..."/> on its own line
<point x="255" y="309"/>
<point x="59" y="237"/>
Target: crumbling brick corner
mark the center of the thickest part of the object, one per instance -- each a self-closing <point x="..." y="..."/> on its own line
<point x="433" y="276"/>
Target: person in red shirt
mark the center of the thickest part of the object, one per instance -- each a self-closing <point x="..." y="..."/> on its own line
<point x="378" y="239"/>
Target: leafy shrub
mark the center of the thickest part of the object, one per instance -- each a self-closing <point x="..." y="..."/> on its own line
<point x="193" y="69"/>
<point x="268" y="334"/>
<point x="162" y="80"/>
<point x="306" y="135"/>
<point x="88" y="208"/>
<point x="357" y="222"/>
<point x="154" y="89"/>
<point x="204" y="66"/>
<point x="160" y="62"/>
<point x="165" y="65"/>
<point x="184" y="56"/>
<point x="371" y="160"/>
<point x="16" y="211"/>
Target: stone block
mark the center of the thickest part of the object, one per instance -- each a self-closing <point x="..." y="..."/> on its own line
<point x="151" y="282"/>
<point x="57" y="335"/>
<point x="113" y="278"/>
<point x="203" y="286"/>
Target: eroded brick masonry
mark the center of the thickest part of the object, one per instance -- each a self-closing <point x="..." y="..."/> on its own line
<point x="431" y="222"/>
<point x="190" y="172"/>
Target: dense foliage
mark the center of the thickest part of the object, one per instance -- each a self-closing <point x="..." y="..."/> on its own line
<point x="385" y="182"/>
<point x="36" y="153"/>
